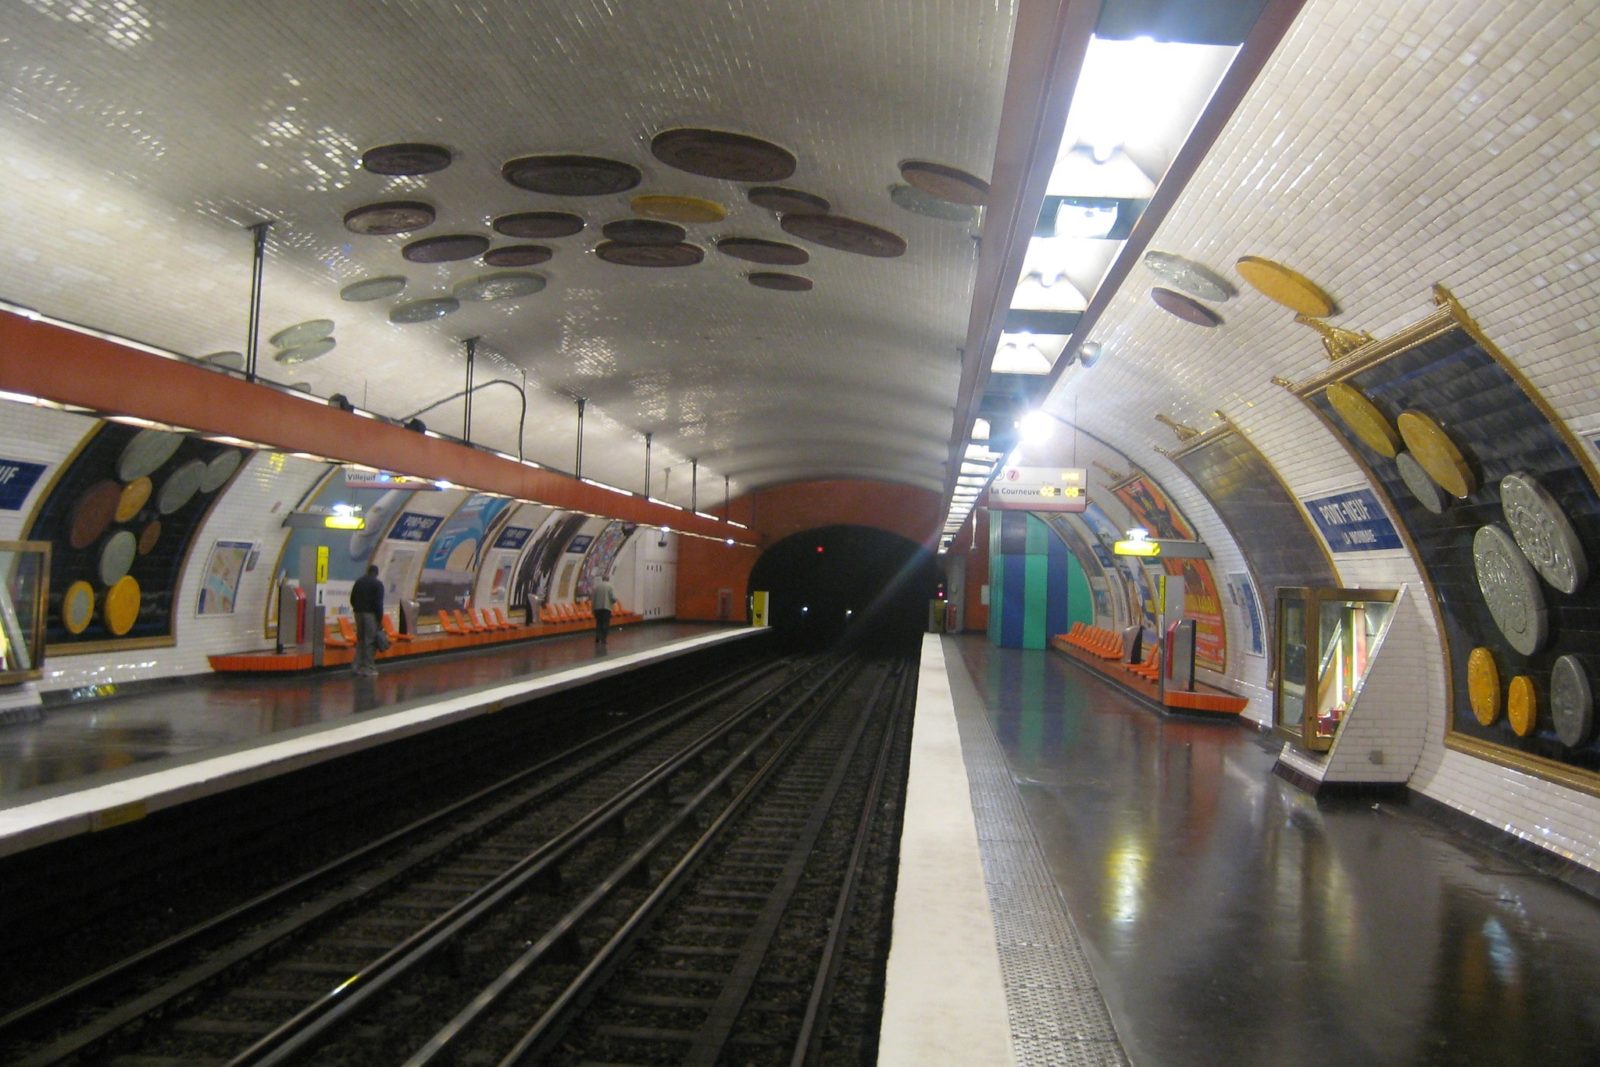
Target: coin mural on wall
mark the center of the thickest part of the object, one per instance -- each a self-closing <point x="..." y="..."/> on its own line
<point x="1365" y="419"/>
<point x="1436" y="453"/>
<point x="1483" y="686"/>
<point x="1571" y="702"/>
<point x="1522" y="706"/>
<point x="1510" y="589"/>
<point x="1543" y="532"/>
<point x="1422" y="487"/>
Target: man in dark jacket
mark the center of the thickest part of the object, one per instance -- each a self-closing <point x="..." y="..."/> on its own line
<point x="366" y="600"/>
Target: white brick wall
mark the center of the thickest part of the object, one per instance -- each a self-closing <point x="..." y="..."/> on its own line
<point x="1387" y="146"/>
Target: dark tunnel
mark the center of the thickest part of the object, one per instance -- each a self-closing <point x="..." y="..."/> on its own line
<point x="847" y="584"/>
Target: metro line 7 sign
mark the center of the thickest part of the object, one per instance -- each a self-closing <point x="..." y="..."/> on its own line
<point x="1040" y="489"/>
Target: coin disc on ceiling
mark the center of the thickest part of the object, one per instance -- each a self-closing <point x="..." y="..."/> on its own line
<point x="1364" y="419"/>
<point x="225" y="360"/>
<point x="92" y="513"/>
<point x="734" y="157"/>
<point x="423" y="310"/>
<point x="505" y="285"/>
<point x="688" y="209"/>
<point x="405" y="160"/>
<point x="918" y="202"/>
<point x="1433" y="449"/>
<point x="116" y="557"/>
<point x="1184" y="307"/>
<point x="786" y="201"/>
<point x="643" y="232"/>
<point x="134" y="495"/>
<point x="847" y="235"/>
<point x="446" y="249"/>
<point x="1193" y="278"/>
<point x="571" y="175"/>
<point x="539" y="225"/>
<point x="756" y="250"/>
<point x="145" y="452"/>
<point x="517" y="256"/>
<point x="946" y="183"/>
<point x="1287" y="287"/>
<point x="389" y="217"/>
<point x="635" y="255"/>
<point x="77" y="607"/>
<point x="792" y="283"/>
<point x="1543" y="532"/>
<point x="1571" y="702"/>
<point x="1510" y="589"/>
<point x="301" y="333"/>
<point x="180" y="487"/>
<point x="1522" y="705"/>
<point x="1483" y="686"/>
<point x="121" y="608"/>
<point x="373" y="289"/>
<point x="305" y="353"/>
<point x="220" y="469"/>
<point x="1422" y="486"/>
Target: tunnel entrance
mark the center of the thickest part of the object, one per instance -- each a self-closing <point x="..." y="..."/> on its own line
<point x="851" y="584"/>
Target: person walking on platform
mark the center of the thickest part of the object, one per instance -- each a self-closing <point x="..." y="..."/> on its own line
<point x="366" y="600"/>
<point x="602" y="598"/>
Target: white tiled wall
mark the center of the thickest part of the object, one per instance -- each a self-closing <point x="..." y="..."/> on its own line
<point x="1387" y="146"/>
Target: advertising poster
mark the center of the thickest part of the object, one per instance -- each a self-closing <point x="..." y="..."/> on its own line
<point x="1151" y="509"/>
<point x="602" y="554"/>
<point x="219" y="587"/>
<point x="1141" y="596"/>
<point x="531" y="586"/>
<point x="1243" y="595"/>
<point x="451" y="564"/>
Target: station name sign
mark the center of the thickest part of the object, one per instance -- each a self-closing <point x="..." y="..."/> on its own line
<point x="1040" y="489"/>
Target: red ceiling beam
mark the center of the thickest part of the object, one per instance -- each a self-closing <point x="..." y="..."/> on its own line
<point x="40" y="359"/>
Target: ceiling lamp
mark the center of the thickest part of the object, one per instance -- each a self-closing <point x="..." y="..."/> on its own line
<point x="1019" y="355"/>
<point x="1079" y="172"/>
<point x="980" y="429"/>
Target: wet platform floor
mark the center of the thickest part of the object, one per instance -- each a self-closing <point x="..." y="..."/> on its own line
<point x="1229" y="918"/>
<point x="91" y="742"/>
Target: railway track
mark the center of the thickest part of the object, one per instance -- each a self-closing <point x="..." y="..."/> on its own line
<point x="441" y="942"/>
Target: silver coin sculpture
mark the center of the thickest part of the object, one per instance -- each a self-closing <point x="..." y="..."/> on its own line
<point x="1571" y="702"/>
<point x="1510" y="589"/>
<point x="1543" y="532"/>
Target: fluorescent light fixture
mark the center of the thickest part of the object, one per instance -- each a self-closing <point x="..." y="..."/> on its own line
<point x="603" y="485"/>
<point x="708" y="515"/>
<point x="664" y="504"/>
<point x="976" y="468"/>
<point x="976" y="451"/>
<point x="980" y="429"/>
<point x="740" y="525"/>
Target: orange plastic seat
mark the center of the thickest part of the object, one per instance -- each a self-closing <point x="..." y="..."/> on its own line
<point x="449" y="624"/>
<point x="486" y="617"/>
<point x="505" y="623"/>
<point x="347" y="628"/>
<point x="395" y="636"/>
<point x="332" y="638"/>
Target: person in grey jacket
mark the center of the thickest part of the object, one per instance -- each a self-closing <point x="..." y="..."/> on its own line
<point x="602" y="598"/>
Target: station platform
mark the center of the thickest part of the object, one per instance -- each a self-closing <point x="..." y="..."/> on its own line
<point x="94" y="764"/>
<point x="1088" y="880"/>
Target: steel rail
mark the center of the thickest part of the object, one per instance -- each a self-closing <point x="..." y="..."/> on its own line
<point x="814" y="1024"/>
<point x="354" y="994"/>
<point x="546" y="1029"/>
<point x="105" y="983"/>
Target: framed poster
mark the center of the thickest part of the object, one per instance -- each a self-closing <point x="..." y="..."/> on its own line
<point x="1151" y="509"/>
<point x="219" y="586"/>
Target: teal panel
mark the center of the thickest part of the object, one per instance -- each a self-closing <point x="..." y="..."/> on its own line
<point x="1080" y="598"/>
<point x="1036" y="591"/>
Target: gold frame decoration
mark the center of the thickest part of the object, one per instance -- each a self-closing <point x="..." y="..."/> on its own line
<point x="1444" y="374"/>
<point x="23" y="610"/>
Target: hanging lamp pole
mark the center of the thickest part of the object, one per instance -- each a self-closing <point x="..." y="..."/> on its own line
<point x="578" y="471"/>
<point x="466" y="412"/>
<point x="694" y="484"/>
<point x="252" y="340"/>
<point x="648" y="438"/>
<point x="727" y="515"/>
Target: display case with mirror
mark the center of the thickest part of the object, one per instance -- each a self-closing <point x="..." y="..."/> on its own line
<point x="24" y="592"/>
<point x="1326" y="642"/>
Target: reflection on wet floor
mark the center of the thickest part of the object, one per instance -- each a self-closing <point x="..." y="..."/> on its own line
<point x="121" y="735"/>
<point x="1232" y="920"/>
